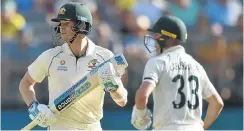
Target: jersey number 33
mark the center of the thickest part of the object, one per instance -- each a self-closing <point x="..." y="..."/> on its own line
<point x="194" y="92"/>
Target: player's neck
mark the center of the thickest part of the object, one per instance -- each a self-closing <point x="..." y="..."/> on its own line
<point x="170" y="45"/>
<point x="79" y="46"/>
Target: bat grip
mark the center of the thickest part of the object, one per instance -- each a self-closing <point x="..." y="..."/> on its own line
<point x="29" y="126"/>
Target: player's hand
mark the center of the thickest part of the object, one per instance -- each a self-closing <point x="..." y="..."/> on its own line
<point x="41" y="114"/>
<point x="108" y="78"/>
<point x="141" y="119"/>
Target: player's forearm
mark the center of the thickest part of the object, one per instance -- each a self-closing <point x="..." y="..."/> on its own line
<point x="27" y="91"/>
<point x="141" y="100"/>
<point x="120" y="96"/>
<point x="213" y="112"/>
<point x="143" y="93"/>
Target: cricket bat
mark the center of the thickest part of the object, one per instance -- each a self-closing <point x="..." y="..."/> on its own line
<point x="84" y="85"/>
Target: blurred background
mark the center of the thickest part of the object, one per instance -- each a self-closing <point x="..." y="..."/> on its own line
<point x="215" y="39"/>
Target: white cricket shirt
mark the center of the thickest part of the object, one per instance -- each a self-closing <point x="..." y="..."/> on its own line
<point x="181" y="84"/>
<point x="61" y="67"/>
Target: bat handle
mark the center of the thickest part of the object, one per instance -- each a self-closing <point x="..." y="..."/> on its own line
<point x="29" y="126"/>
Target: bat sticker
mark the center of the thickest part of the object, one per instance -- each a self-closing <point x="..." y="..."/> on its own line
<point x="72" y="96"/>
<point x="69" y="91"/>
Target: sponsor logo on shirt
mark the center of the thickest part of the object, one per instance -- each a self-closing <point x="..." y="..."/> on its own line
<point x="62" y="62"/>
<point x="62" y="66"/>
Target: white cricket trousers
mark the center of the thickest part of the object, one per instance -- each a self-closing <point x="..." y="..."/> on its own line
<point x="181" y="128"/>
<point x="76" y="127"/>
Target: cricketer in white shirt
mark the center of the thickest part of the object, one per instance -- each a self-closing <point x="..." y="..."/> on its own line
<point x="61" y="67"/>
<point x="181" y="84"/>
<point x="178" y="83"/>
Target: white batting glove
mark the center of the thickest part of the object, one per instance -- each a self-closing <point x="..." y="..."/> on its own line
<point x="141" y="119"/>
<point x="108" y="78"/>
<point x="41" y="114"/>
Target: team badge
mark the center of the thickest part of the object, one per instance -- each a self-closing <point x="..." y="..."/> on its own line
<point x="62" y="11"/>
<point x="93" y="64"/>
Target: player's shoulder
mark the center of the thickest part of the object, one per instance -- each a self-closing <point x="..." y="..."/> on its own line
<point x="162" y="58"/>
<point x="103" y="52"/>
<point x="52" y="51"/>
<point x="157" y="60"/>
<point x="193" y="60"/>
<point x="100" y="50"/>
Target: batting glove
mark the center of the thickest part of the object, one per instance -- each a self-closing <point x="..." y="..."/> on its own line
<point x="141" y="119"/>
<point x="41" y="114"/>
<point x="108" y="78"/>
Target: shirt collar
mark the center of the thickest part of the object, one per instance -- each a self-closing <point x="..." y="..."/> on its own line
<point x="89" y="52"/>
<point x="177" y="48"/>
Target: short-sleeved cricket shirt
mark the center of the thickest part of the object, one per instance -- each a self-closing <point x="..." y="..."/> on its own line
<point x="181" y="84"/>
<point x="62" y="67"/>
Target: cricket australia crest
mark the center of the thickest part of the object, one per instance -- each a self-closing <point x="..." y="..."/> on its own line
<point x="93" y="64"/>
<point x="62" y="11"/>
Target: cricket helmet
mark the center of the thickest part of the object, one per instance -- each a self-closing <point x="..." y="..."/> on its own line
<point x="165" y="28"/>
<point x="77" y="12"/>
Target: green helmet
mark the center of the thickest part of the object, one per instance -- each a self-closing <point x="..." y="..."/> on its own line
<point x="169" y="27"/>
<point x="73" y="11"/>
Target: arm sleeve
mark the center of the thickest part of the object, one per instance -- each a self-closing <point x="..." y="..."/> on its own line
<point x="208" y="88"/>
<point x="152" y="71"/>
<point x="38" y="70"/>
